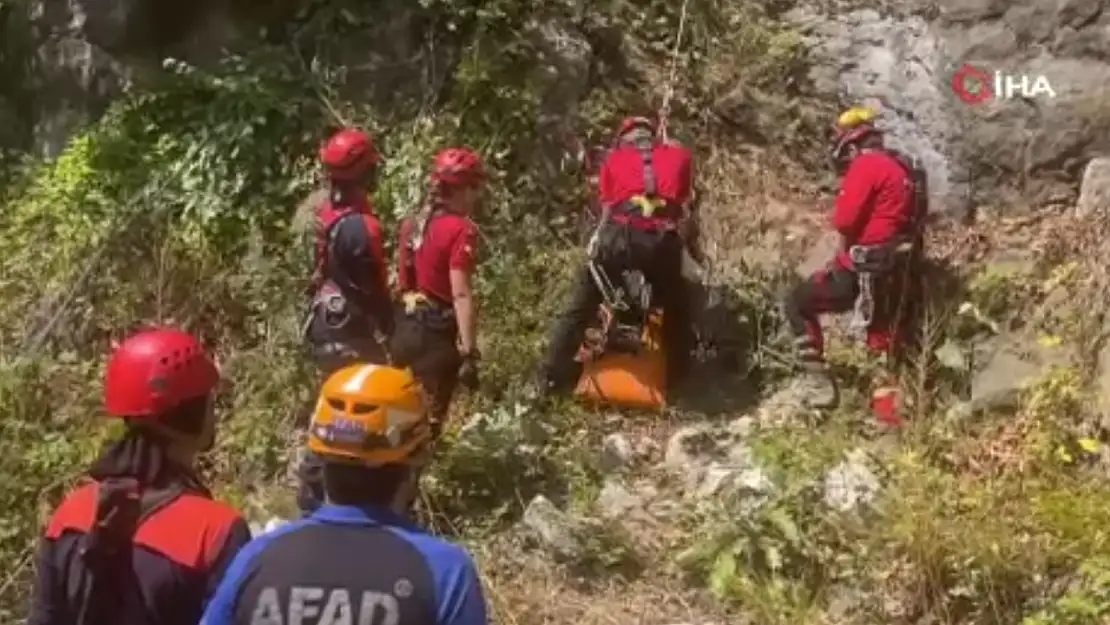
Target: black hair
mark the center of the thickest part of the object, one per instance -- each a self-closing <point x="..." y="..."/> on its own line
<point x="871" y="140"/>
<point x="186" y="418"/>
<point x="354" y="484"/>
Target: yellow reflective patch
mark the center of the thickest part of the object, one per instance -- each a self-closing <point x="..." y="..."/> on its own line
<point x="647" y="205"/>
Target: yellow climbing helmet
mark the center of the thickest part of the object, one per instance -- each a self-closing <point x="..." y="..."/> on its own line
<point x="856" y="116"/>
<point x="371" y="415"/>
<point x="852" y="125"/>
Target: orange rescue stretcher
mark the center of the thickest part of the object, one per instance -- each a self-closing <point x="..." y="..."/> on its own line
<point x="623" y="361"/>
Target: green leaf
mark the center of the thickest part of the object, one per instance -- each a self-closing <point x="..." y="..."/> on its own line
<point x="723" y="575"/>
<point x="786" y="526"/>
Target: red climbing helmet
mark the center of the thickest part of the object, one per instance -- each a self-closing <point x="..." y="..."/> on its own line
<point x="629" y="124"/>
<point x="156" y="370"/>
<point x="458" y="167"/>
<point x="349" y="154"/>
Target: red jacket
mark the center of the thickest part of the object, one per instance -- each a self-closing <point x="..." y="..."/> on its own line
<point x="622" y="175"/>
<point x="450" y="242"/>
<point x="875" y="203"/>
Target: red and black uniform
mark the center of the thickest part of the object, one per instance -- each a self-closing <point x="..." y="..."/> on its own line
<point x="634" y="239"/>
<point x="352" y="292"/>
<point x="164" y="576"/>
<point x="427" y="332"/>
<point x="875" y="211"/>
<point x="141" y="542"/>
<point x="350" y="280"/>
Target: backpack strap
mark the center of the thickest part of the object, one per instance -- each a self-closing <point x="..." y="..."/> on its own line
<point x="331" y="235"/>
<point x="121" y="508"/>
<point x="418" y="227"/>
<point x="646" y="150"/>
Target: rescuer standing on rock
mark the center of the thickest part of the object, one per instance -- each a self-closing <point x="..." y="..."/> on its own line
<point x="437" y="331"/>
<point x="142" y="541"/>
<point x="646" y="187"/>
<point x="357" y="559"/>
<point x="878" y="215"/>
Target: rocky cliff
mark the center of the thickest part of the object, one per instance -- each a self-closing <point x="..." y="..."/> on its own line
<point x="1004" y="153"/>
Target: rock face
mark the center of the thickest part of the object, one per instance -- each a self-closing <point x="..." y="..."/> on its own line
<point x="1094" y="193"/>
<point x="85" y="53"/>
<point x="1003" y="151"/>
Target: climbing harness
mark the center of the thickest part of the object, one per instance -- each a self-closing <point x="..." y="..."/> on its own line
<point x="872" y="260"/>
<point x="334" y="304"/>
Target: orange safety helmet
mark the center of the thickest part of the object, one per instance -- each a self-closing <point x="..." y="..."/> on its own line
<point x="349" y="154"/>
<point x="371" y="415"/>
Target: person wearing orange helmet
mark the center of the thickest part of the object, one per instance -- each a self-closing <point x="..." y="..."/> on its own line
<point x="646" y="188"/>
<point x="141" y="540"/>
<point x="437" y="333"/>
<point x="878" y="214"/>
<point x="351" y="305"/>
<point x="358" y="558"/>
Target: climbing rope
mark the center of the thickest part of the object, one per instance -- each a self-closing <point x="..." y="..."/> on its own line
<point x="864" y="312"/>
<point x="668" y="93"/>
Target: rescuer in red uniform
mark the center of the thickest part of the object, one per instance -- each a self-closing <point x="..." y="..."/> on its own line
<point x="878" y="218"/>
<point x="350" y="282"/>
<point x="646" y="187"/>
<point x="437" y="253"/>
<point x="141" y="541"/>
<point x="351" y="303"/>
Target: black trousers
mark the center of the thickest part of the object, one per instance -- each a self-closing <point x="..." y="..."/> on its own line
<point x="658" y="255"/>
<point x="426" y="342"/>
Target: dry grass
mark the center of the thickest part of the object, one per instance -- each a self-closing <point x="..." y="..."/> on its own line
<point x="528" y="589"/>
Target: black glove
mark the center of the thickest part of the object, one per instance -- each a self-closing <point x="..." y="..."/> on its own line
<point x="468" y="371"/>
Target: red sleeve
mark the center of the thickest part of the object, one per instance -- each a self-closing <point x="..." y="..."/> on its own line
<point x="606" y="190"/>
<point x="855" y="193"/>
<point x="687" y="177"/>
<point x="465" y="248"/>
<point x="404" y="277"/>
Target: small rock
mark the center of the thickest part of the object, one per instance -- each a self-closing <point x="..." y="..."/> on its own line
<point x="1094" y="192"/>
<point x="616" y="501"/>
<point x="952" y="356"/>
<point x="616" y="453"/>
<point x="713" y="480"/>
<point x="1010" y="369"/>
<point x="851" y="483"/>
<point x="741" y="427"/>
<point x="556" y="530"/>
<point x="688" y="447"/>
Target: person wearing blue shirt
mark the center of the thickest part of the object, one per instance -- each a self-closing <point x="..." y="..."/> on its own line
<point x="357" y="560"/>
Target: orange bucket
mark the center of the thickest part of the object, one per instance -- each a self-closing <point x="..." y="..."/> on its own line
<point x="629" y="380"/>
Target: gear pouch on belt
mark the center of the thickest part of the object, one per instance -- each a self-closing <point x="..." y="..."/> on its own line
<point x="623" y="247"/>
<point x="420" y="321"/>
<point x="870" y="258"/>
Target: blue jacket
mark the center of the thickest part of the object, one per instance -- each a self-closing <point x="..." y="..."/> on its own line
<point x="342" y="562"/>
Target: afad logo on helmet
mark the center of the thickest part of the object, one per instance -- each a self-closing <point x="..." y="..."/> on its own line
<point x="974" y="85"/>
